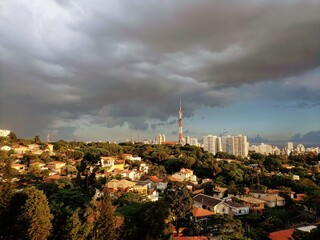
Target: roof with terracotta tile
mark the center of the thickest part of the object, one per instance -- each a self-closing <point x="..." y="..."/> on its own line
<point x="186" y="170"/>
<point x="281" y="235"/>
<point x="173" y="179"/>
<point x="299" y="197"/>
<point x="155" y="179"/>
<point x="200" y="212"/>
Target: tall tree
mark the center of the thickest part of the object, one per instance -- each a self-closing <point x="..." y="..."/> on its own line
<point x="178" y="196"/>
<point x="35" y="217"/>
<point x="105" y="221"/>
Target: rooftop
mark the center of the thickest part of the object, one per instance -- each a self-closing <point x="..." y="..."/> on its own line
<point x="207" y="200"/>
<point x="200" y="212"/>
<point x="281" y="235"/>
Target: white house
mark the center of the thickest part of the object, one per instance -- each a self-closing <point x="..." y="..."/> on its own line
<point x="6" y="148"/>
<point x="185" y="174"/>
<point x="210" y="203"/>
<point x="237" y="209"/>
<point x="108" y="162"/>
<point x="273" y="200"/>
<point x="130" y="157"/>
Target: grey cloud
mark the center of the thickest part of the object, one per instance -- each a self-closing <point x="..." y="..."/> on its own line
<point x="313" y="136"/>
<point x="258" y="139"/>
<point x="123" y="63"/>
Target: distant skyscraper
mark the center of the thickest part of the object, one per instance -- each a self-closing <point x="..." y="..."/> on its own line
<point x="289" y="148"/>
<point x="300" y="148"/>
<point x="212" y="144"/>
<point x="160" y="138"/>
<point x="188" y="140"/>
<point x="194" y="142"/>
<point x="180" y="124"/>
<point x="236" y="145"/>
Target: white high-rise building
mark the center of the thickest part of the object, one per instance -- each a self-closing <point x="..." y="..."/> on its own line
<point x="236" y="145"/>
<point x="188" y="140"/>
<point x="160" y="138"/>
<point x="300" y="148"/>
<point x="194" y="142"/>
<point x="212" y="144"/>
<point x="265" y="149"/>
<point x="289" y="148"/>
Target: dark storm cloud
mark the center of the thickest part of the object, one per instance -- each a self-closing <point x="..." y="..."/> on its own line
<point x="119" y="63"/>
<point x="309" y="137"/>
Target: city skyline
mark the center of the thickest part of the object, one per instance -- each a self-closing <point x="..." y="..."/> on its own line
<point x="105" y="70"/>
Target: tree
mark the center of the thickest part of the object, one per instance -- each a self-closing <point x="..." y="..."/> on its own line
<point x="208" y="188"/>
<point x="104" y="226"/>
<point x="36" y="139"/>
<point x="35" y="217"/>
<point x="226" y="227"/>
<point x="74" y="228"/>
<point x="272" y="164"/>
<point x="178" y="196"/>
<point x="128" y="198"/>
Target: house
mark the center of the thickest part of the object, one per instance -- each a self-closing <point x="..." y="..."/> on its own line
<point x="295" y="177"/>
<point x="307" y="228"/>
<point x="281" y="235"/>
<point x="5" y="148"/>
<point x="237" y="209"/>
<point x="299" y="197"/>
<point x="146" y="183"/>
<point x="20" y="149"/>
<point x="185" y="174"/>
<point x="53" y="178"/>
<point x="56" y="166"/>
<point x="287" y="166"/>
<point x="210" y="203"/>
<point x="108" y="162"/>
<point x="254" y="204"/>
<point x="19" y="167"/>
<point x="143" y="168"/>
<point x="157" y="183"/>
<point x="130" y="157"/>
<point x="133" y="175"/>
<point x="119" y="185"/>
<point x="119" y="165"/>
<point x="40" y="165"/>
<point x="273" y="200"/>
<point x="219" y="192"/>
<point x="201" y="214"/>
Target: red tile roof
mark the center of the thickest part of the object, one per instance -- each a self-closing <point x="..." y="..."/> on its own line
<point x="281" y="235"/>
<point x="155" y="179"/>
<point x="200" y="212"/>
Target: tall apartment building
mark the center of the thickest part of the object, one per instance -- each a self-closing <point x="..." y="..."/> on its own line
<point x="265" y="149"/>
<point x="300" y="148"/>
<point x="160" y="138"/>
<point x="236" y="145"/>
<point x="194" y="142"/>
<point x="289" y="148"/>
<point x="212" y="144"/>
<point x="188" y="140"/>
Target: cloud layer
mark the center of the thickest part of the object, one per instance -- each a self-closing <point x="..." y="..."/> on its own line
<point x="119" y="63"/>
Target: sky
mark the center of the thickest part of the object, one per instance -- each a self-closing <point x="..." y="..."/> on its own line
<point x="106" y="70"/>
